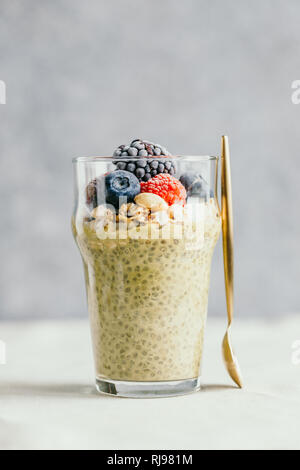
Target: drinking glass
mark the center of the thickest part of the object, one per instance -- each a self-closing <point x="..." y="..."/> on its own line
<point x="147" y="274"/>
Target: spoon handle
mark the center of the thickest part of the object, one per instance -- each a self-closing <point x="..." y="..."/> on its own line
<point x="227" y="225"/>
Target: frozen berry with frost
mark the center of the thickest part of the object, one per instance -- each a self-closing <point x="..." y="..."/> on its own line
<point x="195" y="185"/>
<point x="121" y="186"/>
<point x="167" y="187"/>
<point x="143" y="165"/>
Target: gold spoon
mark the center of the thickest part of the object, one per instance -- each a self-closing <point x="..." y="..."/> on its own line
<point x="230" y="359"/>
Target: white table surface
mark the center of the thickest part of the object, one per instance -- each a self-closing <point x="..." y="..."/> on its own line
<point x="48" y="401"/>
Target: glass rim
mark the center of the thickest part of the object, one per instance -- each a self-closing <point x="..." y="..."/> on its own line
<point x="97" y="159"/>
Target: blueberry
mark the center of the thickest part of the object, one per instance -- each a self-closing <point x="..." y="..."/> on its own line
<point x="197" y="188"/>
<point x="187" y="179"/>
<point x="200" y="187"/>
<point x="121" y="184"/>
<point x="195" y="184"/>
<point x="161" y="168"/>
<point x="147" y="177"/>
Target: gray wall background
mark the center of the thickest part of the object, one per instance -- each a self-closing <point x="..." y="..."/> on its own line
<point x="83" y="77"/>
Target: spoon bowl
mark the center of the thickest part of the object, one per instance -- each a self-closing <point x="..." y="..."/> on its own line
<point x="230" y="360"/>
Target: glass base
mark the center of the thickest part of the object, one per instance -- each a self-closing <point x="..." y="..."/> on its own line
<point x="147" y="389"/>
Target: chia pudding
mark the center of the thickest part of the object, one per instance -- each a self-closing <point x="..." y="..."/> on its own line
<point x="148" y="301"/>
<point x="147" y="268"/>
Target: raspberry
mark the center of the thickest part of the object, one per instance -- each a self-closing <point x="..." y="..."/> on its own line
<point x="167" y="187"/>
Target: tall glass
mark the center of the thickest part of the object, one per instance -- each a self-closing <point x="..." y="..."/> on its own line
<point x="147" y="272"/>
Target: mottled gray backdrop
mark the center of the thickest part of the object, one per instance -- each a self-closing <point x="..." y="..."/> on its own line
<point x="83" y="77"/>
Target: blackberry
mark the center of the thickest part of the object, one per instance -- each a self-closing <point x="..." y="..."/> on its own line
<point x="143" y="167"/>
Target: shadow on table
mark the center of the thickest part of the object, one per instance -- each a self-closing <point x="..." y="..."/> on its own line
<point x="217" y="387"/>
<point x="49" y="390"/>
<point x="40" y="390"/>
